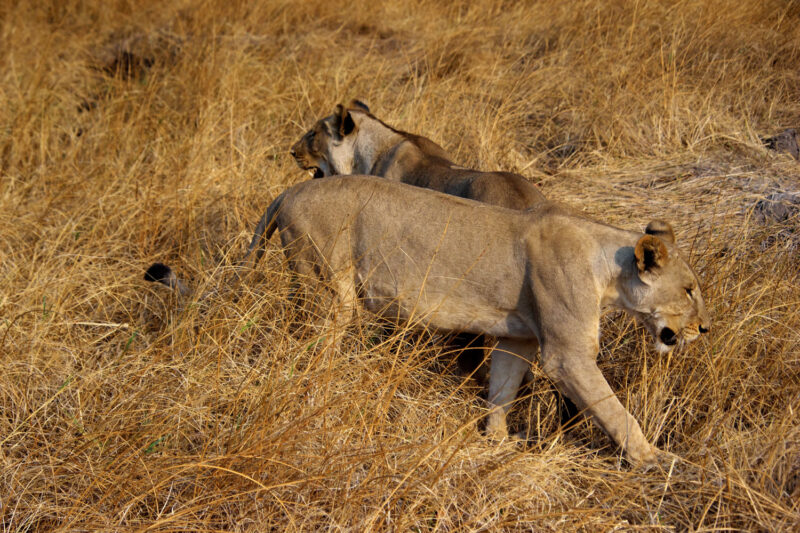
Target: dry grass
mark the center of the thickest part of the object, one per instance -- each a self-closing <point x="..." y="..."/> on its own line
<point x="118" y="411"/>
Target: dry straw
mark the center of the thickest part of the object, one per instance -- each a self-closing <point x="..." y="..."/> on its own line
<point x="139" y="131"/>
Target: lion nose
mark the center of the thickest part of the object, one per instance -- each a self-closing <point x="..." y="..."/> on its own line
<point x="702" y="329"/>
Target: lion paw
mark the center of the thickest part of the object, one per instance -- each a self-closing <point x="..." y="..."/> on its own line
<point x="657" y="460"/>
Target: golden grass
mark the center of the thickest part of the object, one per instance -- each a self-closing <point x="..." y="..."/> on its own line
<point x="121" y="411"/>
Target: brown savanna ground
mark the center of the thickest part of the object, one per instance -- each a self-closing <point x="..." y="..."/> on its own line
<point x="133" y="132"/>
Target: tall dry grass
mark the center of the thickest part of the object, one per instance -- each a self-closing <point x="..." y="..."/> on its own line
<point x="133" y="132"/>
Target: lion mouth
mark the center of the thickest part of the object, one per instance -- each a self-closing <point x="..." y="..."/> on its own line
<point x="314" y="171"/>
<point x="668" y="336"/>
<point x="668" y="340"/>
<point x="665" y="339"/>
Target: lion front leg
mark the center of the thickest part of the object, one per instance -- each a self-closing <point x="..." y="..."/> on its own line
<point x="581" y="380"/>
<point x="510" y="360"/>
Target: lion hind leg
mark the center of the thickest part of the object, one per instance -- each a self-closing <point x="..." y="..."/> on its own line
<point x="343" y="307"/>
<point x="510" y="360"/>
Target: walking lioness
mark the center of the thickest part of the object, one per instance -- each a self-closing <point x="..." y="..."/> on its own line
<point x="540" y="277"/>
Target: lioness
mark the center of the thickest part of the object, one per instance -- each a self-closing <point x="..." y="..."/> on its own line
<point x="540" y="277"/>
<point x="353" y="141"/>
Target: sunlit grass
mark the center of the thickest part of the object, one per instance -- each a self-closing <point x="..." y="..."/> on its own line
<point x="133" y="133"/>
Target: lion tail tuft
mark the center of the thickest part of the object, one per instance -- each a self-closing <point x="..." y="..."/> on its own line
<point x="158" y="272"/>
<point x="161" y="273"/>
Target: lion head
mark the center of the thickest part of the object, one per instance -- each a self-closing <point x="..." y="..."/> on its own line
<point x="665" y="293"/>
<point x="327" y="148"/>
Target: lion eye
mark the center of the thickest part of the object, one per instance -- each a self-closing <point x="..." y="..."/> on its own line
<point x="689" y="292"/>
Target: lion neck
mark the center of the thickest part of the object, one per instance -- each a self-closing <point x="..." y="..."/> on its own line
<point x="619" y="270"/>
<point x="374" y="141"/>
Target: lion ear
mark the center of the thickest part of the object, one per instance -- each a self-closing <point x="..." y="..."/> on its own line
<point x="344" y="120"/>
<point x="357" y="104"/>
<point x="662" y="230"/>
<point x="651" y="254"/>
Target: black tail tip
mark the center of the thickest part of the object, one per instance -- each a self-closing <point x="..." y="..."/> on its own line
<point x="157" y="272"/>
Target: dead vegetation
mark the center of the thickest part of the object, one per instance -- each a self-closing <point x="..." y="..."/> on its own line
<point x="121" y="411"/>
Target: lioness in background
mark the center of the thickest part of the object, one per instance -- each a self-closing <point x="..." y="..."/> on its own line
<point x="353" y="141"/>
<point x="540" y="277"/>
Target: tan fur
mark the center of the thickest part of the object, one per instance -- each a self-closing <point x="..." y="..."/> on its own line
<point x="540" y="277"/>
<point x="353" y="141"/>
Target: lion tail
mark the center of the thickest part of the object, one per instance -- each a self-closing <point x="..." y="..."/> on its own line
<point x="264" y="230"/>
<point x="161" y="273"/>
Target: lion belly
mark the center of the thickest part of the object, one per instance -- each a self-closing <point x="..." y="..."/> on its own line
<point x="449" y="314"/>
